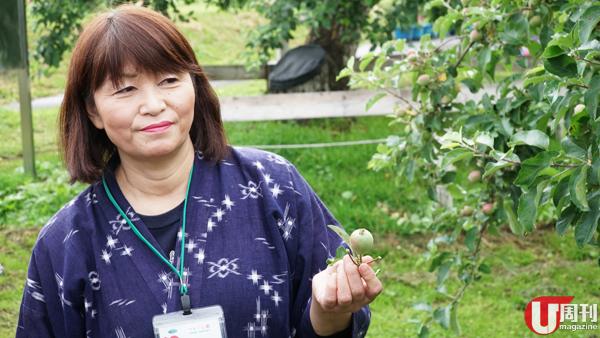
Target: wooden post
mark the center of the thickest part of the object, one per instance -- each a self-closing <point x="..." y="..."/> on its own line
<point x="25" y="93"/>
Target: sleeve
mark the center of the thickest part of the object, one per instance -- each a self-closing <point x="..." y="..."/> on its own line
<point x="316" y="243"/>
<point x="50" y="307"/>
<point x="34" y="320"/>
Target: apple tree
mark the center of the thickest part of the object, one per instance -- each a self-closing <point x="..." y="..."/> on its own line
<point x="502" y="127"/>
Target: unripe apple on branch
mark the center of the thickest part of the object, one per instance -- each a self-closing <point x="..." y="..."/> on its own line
<point x="360" y="243"/>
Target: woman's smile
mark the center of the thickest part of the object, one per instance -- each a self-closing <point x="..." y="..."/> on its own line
<point x="157" y="127"/>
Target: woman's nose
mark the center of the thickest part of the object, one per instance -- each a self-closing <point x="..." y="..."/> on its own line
<point x="153" y="103"/>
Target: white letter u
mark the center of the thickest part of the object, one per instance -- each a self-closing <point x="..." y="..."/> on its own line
<point x="536" y="318"/>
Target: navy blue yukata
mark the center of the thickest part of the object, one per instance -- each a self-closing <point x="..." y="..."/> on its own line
<point x="256" y="233"/>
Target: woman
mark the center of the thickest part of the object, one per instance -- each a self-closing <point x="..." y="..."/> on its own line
<point x="174" y="218"/>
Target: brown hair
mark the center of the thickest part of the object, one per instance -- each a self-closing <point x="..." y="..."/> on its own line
<point x="150" y="42"/>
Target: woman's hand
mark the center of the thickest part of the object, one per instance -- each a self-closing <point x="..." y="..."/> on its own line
<point x="340" y="290"/>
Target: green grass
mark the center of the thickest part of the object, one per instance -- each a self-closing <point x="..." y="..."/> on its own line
<point x="493" y="306"/>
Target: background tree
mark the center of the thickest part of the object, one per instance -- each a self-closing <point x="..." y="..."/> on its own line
<point x="336" y="25"/>
<point x="59" y="21"/>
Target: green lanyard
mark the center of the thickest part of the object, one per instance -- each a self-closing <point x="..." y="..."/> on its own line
<point x="185" y="299"/>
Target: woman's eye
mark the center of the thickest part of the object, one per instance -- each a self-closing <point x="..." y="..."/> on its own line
<point x="170" y="80"/>
<point x="125" y="90"/>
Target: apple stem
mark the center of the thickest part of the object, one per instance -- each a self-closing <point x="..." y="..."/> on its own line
<point x="351" y="257"/>
<point x="375" y="260"/>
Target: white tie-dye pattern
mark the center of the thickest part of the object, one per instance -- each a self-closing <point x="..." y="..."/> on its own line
<point x="121" y="302"/>
<point x="35" y="290"/>
<point x="260" y="322"/>
<point x="223" y="268"/>
<point x="286" y="224"/>
<point x="265" y="242"/>
<point x="94" y="279"/>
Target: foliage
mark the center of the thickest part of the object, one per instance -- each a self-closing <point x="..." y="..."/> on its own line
<point x="331" y="20"/>
<point x="336" y="25"/>
<point x="33" y="202"/>
<point x="60" y="20"/>
<point x="516" y="148"/>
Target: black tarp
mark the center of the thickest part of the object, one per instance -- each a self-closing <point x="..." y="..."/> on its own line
<point x="296" y="66"/>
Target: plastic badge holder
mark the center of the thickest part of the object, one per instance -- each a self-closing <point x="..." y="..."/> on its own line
<point x="206" y="322"/>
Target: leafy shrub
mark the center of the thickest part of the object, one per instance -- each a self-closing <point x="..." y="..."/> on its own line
<point x="32" y="202"/>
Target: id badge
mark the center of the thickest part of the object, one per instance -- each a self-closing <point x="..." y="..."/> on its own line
<point x="205" y="322"/>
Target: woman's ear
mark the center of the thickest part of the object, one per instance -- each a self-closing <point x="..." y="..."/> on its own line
<point x="94" y="116"/>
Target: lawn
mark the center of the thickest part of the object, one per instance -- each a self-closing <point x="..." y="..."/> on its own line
<point x="522" y="269"/>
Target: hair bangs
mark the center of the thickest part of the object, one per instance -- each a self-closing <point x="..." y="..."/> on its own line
<point x="148" y="46"/>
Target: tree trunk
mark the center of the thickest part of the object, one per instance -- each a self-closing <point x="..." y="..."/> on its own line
<point x="336" y="56"/>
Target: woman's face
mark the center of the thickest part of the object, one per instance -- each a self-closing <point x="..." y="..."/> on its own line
<point x="148" y="115"/>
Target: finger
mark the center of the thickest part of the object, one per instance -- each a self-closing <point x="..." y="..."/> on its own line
<point x="374" y="286"/>
<point x="354" y="280"/>
<point x="367" y="259"/>
<point x="344" y="295"/>
<point x="329" y="295"/>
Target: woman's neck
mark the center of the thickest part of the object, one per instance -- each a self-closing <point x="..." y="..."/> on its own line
<point x="154" y="187"/>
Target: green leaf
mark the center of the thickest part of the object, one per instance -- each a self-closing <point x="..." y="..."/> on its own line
<point x="434" y="3"/>
<point x="350" y="63"/>
<point x="533" y="138"/>
<point x="563" y="65"/>
<point x="561" y="190"/>
<point x="516" y="30"/>
<point x="588" y="223"/>
<point x="592" y="45"/>
<point x="539" y="70"/>
<point x="588" y="22"/>
<point x="455" y="155"/>
<point x="528" y="206"/>
<point x="470" y="238"/>
<point x="484" y="268"/>
<point x="400" y="45"/>
<point x="438" y="260"/>
<point x="344" y="73"/>
<point x="492" y="167"/>
<point x="513" y="223"/>
<point x="340" y="232"/>
<point x="591" y="96"/>
<point x="553" y="51"/>
<point x="578" y="188"/>
<point x="374" y="99"/>
<point x="538" y="79"/>
<point x="566" y="219"/>
<point x="450" y="140"/>
<point x="595" y="176"/>
<point x="572" y="149"/>
<point x="443" y="272"/>
<point x="365" y="61"/>
<point x="423" y="331"/>
<point x="454" y="324"/>
<point x="442" y="316"/>
<point x="532" y="167"/>
<point x="483" y="59"/>
<point x="485" y="139"/>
